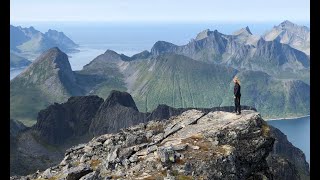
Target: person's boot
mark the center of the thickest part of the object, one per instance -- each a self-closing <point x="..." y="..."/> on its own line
<point x="238" y="113"/>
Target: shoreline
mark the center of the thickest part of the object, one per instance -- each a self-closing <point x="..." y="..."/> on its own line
<point x="286" y="118"/>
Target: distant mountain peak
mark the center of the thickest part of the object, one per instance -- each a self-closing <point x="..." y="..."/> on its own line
<point x="297" y="36"/>
<point x="287" y="23"/>
<point x="55" y="56"/>
<point x="245" y="31"/>
<point x="109" y="51"/>
<point x="205" y="33"/>
<point x="52" y="30"/>
<point x="55" y="49"/>
<point x="161" y="47"/>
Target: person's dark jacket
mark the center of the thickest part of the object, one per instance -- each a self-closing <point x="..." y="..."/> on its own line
<point x="236" y="90"/>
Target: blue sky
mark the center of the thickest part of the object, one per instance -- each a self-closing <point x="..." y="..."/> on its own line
<point x="160" y="10"/>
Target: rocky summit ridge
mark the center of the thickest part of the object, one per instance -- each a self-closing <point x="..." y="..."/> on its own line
<point x="191" y="145"/>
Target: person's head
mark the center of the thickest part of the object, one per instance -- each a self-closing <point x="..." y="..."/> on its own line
<point x="236" y="80"/>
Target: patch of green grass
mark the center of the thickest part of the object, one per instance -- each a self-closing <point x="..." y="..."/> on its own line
<point x="25" y="103"/>
<point x="179" y="81"/>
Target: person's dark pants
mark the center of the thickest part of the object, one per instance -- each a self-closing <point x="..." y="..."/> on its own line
<point x="237" y="104"/>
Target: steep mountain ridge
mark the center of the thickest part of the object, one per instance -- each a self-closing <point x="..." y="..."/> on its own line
<point x="38" y="144"/>
<point x="59" y="122"/>
<point x="48" y="79"/>
<point x="168" y="78"/>
<point x="181" y="143"/>
<point x="241" y="50"/>
<point x="292" y="34"/>
<point x="167" y="75"/>
<point x="30" y="43"/>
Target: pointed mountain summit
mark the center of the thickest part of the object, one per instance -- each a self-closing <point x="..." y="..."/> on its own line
<point x="60" y="39"/>
<point x="58" y="122"/>
<point x="287" y="23"/>
<point x="48" y="79"/>
<point x="292" y="34"/>
<point x="52" y="62"/>
<point x="245" y="36"/>
<point x="161" y="47"/>
<point x="117" y="111"/>
<point x="203" y="34"/>
<point x="243" y="31"/>
<point x="122" y="98"/>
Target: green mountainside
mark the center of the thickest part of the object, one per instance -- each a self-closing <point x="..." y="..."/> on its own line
<point x="170" y="79"/>
<point x="275" y="77"/>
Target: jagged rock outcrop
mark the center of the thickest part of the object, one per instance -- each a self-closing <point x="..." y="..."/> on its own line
<point x="120" y="111"/>
<point x="117" y="111"/>
<point x="60" y="126"/>
<point x="59" y="122"/>
<point x="284" y="153"/>
<point x="192" y="145"/>
<point x="245" y="31"/>
<point x="73" y="119"/>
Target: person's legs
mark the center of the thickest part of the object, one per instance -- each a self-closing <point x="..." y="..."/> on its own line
<point x="235" y="105"/>
<point x="239" y="106"/>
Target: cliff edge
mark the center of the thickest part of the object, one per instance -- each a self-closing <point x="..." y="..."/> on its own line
<point x="192" y="145"/>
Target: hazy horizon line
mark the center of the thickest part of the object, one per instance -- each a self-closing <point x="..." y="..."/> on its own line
<point x="274" y="22"/>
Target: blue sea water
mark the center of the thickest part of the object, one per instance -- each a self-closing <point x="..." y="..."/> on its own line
<point x="297" y="131"/>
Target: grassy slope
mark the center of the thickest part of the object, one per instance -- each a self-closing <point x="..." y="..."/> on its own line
<point x="182" y="82"/>
<point x="179" y="81"/>
<point x="25" y="103"/>
<point x="34" y="90"/>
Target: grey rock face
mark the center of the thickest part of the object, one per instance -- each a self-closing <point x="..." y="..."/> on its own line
<point x="59" y="122"/>
<point x="284" y="152"/>
<point x="118" y="111"/>
<point x="77" y="172"/>
<point x="91" y="176"/>
<point x="133" y="142"/>
<point x="292" y="34"/>
<point x="242" y="50"/>
<point x="228" y="147"/>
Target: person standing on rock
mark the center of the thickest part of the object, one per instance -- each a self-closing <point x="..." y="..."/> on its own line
<point x="237" y="95"/>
